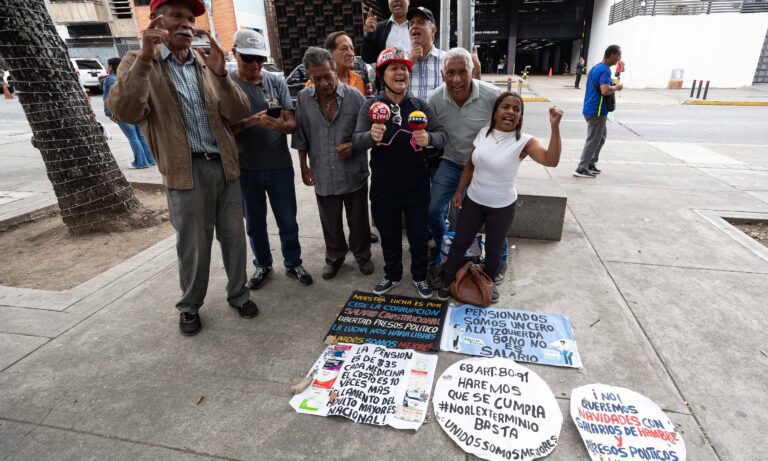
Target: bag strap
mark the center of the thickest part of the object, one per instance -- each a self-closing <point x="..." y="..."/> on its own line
<point x="597" y="88"/>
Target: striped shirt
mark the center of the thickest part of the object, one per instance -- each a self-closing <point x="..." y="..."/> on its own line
<point x="191" y="103"/>
<point x="426" y="75"/>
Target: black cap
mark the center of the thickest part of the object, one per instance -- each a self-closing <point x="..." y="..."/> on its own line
<point x="426" y="12"/>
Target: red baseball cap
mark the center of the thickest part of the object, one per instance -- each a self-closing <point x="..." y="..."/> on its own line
<point x="197" y="6"/>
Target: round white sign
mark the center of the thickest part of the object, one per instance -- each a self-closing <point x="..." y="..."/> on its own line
<point x="617" y="423"/>
<point x="497" y="409"/>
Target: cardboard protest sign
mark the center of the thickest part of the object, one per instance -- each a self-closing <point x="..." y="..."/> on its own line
<point x="617" y="423"/>
<point x="497" y="409"/>
<point x="392" y="321"/>
<point x="370" y="384"/>
<point x="524" y="336"/>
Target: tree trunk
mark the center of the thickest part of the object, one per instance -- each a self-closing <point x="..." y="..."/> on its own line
<point x="91" y="190"/>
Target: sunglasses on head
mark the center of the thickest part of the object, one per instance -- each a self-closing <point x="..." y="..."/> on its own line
<point x="249" y="58"/>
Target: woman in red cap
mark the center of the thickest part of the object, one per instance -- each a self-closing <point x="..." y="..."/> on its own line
<point x="399" y="173"/>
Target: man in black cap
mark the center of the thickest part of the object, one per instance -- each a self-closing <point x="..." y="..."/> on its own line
<point x="427" y="59"/>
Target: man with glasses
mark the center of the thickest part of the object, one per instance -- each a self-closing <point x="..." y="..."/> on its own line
<point x="265" y="160"/>
<point x="326" y="113"/>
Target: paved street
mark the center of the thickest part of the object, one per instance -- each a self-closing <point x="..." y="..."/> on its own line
<point x="665" y="298"/>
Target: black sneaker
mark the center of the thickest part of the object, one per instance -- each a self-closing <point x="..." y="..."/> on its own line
<point x="189" y="324"/>
<point x="374" y="238"/>
<point x="259" y="276"/>
<point x="331" y="269"/>
<point x="495" y="295"/>
<point x="581" y="173"/>
<point x="385" y="285"/>
<point x="594" y="169"/>
<point x="366" y="266"/>
<point x="423" y="288"/>
<point x="444" y="292"/>
<point x="502" y="273"/>
<point x="248" y="310"/>
<point x="300" y="274"/>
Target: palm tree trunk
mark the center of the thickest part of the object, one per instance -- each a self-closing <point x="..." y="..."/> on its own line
<point x="91" y="190"/>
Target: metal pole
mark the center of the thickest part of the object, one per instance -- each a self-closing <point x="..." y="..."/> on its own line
<point x="693" y="88"/>
<point x="706" y="90"/>
<point x="463" y="26"/>
<point x="445" y="24"/>
<point x="520" y="87"/>
<point x="698" y="93"/>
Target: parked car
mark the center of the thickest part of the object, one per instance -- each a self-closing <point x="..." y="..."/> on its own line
<point x="298" y="77"/>
<point x="89" y="70"/>
<point x="7" y="80"/>
<point x="270" y="67"/>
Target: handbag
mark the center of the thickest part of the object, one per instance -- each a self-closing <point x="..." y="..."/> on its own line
<point x="472" y="285"/>
<point x="610" y="100"/>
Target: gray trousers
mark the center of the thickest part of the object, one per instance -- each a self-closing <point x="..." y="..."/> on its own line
<point x="212" y="203"/>
<point x="331" y="207"/>
<point x="596" y="134"/>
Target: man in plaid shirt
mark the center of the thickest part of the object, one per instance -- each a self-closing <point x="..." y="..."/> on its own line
<point x="427" y="59"/>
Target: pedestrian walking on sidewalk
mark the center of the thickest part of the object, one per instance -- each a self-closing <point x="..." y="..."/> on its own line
<point x="595" y="111"/>
<point x="326" y="115"/>
<point x="579" y="70"/>
<point x="185" y="102"/>
<point x="142" y="158"/>
<point x="489" y="178"/>
<point x="265" y="160"/>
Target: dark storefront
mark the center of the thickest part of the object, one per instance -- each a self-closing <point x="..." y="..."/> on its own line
<point x="542" y="34"/>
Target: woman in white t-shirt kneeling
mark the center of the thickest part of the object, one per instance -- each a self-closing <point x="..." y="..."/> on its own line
<point x="491" y="174"/>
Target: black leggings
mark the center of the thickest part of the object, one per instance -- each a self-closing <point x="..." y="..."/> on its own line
<point x="471" y="218"/>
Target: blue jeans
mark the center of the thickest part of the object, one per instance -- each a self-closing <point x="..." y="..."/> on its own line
<point x="141" y="156"/>
<point x="443" y="187"/>
<point x="278" y="185"/>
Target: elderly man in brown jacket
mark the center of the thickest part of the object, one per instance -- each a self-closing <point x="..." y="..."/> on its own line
<point x="184" y="103"/>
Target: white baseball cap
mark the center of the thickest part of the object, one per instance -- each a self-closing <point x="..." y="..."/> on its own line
<point x="249" y="41"/>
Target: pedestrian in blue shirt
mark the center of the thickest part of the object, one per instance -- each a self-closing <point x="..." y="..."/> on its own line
<point x="599" y="86"/>
<point x="142" y="158"/>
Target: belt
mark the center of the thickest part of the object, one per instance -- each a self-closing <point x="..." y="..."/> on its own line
<point x="207" y="155"/>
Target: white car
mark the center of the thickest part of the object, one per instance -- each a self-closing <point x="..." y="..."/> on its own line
<point x="270" y="67"/>
<point x="89" y="70"/>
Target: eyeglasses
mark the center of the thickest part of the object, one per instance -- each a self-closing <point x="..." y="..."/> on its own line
<point x="397" y="119"/>
<point x="249" y="58"/>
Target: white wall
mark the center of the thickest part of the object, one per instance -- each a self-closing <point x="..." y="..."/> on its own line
<point x="251" y="13"/>
<point x="723" y="48"/>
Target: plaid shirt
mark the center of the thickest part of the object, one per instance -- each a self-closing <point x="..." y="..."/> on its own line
<point x="426" y="75"/>
<point x="191" y="104"/>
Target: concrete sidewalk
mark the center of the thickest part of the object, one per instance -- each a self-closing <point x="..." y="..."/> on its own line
<point x="662" y="300"/>
<point x="560" y="88"/>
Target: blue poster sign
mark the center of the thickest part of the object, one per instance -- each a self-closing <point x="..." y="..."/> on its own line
<point x="523" y="336"/>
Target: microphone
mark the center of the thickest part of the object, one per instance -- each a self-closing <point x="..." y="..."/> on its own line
<point x="416" y="121"/>
<point x="379" y="112"/>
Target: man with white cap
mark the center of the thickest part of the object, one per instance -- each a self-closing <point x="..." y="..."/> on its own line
<point x="265" y="161"/>
<point x="184" y="102"/>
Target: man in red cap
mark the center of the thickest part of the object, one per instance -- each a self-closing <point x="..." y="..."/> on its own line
<point x="185" y="102"/>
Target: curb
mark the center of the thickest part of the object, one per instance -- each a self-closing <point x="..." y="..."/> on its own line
<point x="535" y="99"/>
<point x="704" y="102"/>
